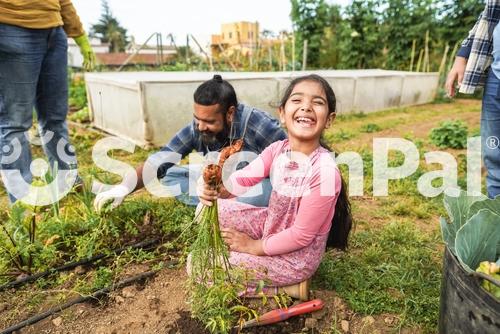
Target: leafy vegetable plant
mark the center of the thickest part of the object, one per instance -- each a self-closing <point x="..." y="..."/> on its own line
<point x="450" y="134"/>
<point x="473" y="233"/>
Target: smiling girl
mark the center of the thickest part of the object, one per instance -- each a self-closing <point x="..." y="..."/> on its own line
<point x="308" y="209"/>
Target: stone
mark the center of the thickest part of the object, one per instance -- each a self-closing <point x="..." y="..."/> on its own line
<point x="21" y="276"/>
<point x="344" y="324"/>
<point x="337" y="302"/>
<point x="368" y="320"/>
<point x="311" y="323"/>
<point x="3" y="307"/>
<point x="119" y="299"/>
<point x="80" y="270"/>
<point x="151" y="297"/>
<point x="57" y="321"/>
<point x="128" y="292"/>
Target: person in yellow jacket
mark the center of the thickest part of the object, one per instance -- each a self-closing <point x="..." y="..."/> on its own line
<point x="34" y="73"/>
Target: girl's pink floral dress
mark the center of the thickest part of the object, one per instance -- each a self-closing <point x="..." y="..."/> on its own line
<point x="295" y="226"/>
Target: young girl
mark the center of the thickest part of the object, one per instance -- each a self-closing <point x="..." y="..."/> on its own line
<point x="308" y="209"/>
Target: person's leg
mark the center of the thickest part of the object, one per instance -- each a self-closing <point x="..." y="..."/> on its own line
<point x="242" y="217"/>
<point x="490" y="134"/>
<point x="261" y="199"/>
<point x="21" y="54"/>
<point x="52" y="104"/>
<point x="186" y="177"/>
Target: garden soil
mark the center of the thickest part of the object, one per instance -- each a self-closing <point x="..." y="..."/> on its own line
<point x="159" y="305"/>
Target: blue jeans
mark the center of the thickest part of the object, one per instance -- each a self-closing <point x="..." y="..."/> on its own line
<point x="490" y="134"/>
<point x="33" y="73"/>
<point x="187" y="175"/>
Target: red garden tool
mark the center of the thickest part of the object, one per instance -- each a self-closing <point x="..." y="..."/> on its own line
<point x="282" y="314"/>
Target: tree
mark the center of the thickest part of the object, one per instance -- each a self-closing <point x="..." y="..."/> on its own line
<point x="109" y="30"/>
<point x="457" y="18"/>
<point x="329" y="56"/>
<point x="360" y="38"/>
<point x="309" y="19"/>
<point x="403" y="22"/>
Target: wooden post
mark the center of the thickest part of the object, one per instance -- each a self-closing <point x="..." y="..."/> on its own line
<point x="209" y="59"/>
<point x="452" y="57"/>
<point x="443" y="60"/>
<point x="304" y="56"/>
<point x="270" y="51"/>
<point x="282" y="53"/>
<point x="425" y="67"/>
<point x="187" y="49"/>
<point x="420" y="55"/>
<point x="414" y="44"/>
<point x="293" y="51"/>
<point x="257" y="54"/>
<point x="226" y="57"/>
<point x="250" y="55"/>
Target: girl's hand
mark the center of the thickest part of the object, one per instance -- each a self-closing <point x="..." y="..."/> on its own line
<point x="241" y="242"/>
<point x="206" y="194"/>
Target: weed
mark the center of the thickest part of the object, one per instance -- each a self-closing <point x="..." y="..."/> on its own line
<point x="77" y="93"/>
<point x="80" y="116"/>
<point x="370" y="127"/>
<point x="450" y="134"/>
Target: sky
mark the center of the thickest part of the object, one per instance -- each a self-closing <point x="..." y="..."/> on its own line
<point x="201" y="18"/>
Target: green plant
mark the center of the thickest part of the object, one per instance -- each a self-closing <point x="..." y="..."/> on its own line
<point x="77" y="98"/>
<point x="341" y="135"/>
<point x="450" y="134"/>
<point x="214" y="285"/>
<point x="473" y="233"/>
<point x="210" y="256"/>
<point x="80" y="116"/>
<point x="370" y="127"/>
<point x="310" y="17"/>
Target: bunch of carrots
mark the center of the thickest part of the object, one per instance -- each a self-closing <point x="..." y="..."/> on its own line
<point x="209" y="255"/>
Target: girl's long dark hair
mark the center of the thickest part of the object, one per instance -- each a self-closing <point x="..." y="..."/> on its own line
<point x="342" y="218"/>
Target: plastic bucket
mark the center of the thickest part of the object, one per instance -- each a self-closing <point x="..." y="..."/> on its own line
<point x="465" y="306"/>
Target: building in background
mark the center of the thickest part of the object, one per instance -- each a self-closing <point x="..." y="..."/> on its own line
<point x="240" y="36"/>
<point x="149" y="55"/>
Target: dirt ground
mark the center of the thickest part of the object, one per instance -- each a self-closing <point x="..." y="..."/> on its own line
<point x="159" y="306"/>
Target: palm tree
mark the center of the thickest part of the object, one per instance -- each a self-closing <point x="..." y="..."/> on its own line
<point x="109" y="30"/>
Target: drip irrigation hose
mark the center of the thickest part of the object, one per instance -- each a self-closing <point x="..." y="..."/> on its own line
<point x="68" y="266"/>
<point x="81" y="299"/>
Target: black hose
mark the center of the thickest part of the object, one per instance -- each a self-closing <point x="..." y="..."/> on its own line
<point x="95" y="295"/>
<point x="68" y="266"/>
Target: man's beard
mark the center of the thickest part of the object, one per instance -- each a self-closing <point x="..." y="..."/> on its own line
<point x="209" y="138"/>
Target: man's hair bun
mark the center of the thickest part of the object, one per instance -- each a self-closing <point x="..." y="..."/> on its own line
<point x="217" y="78"/>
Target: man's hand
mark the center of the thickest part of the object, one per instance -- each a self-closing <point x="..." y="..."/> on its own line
<point x="116" y="194"/>
<point x="86" y="51"/>
<point x="456" y="75"/>
<point x="241" y="242"/>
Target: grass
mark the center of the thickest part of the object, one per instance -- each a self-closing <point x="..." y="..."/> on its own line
<point x="392" y="267"/>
